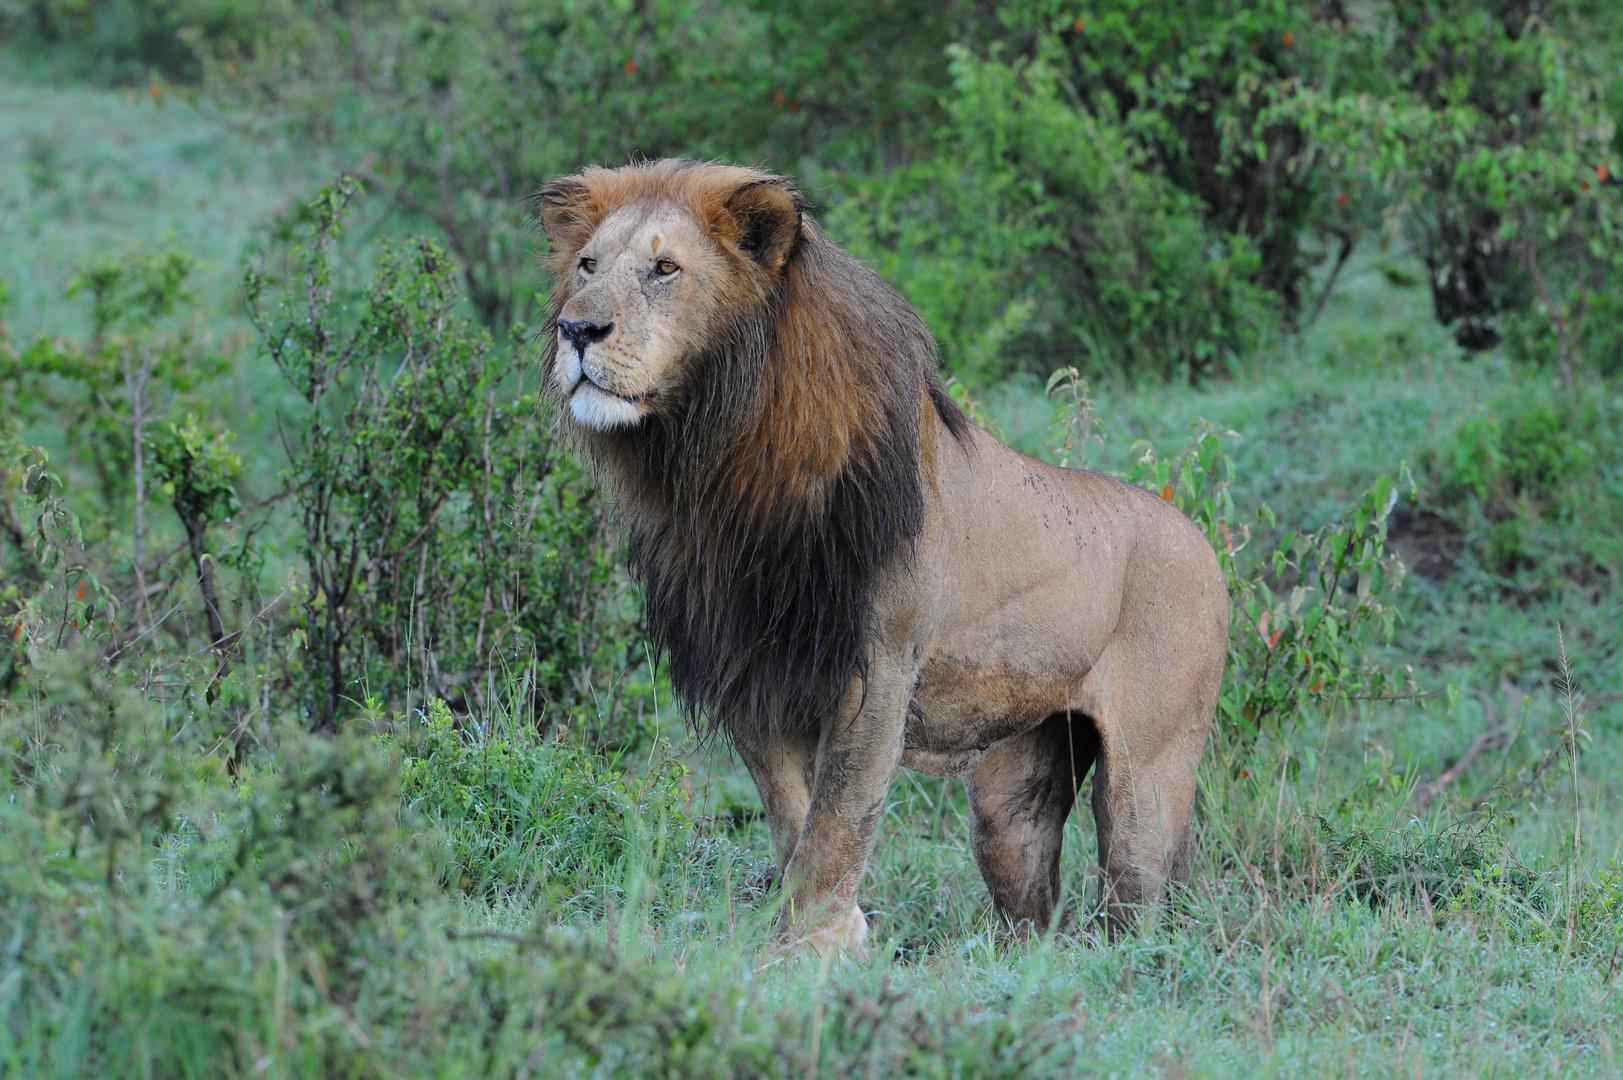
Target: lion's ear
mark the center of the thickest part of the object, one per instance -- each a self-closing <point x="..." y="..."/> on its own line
<point x="767" y="216"/>
<point x="566" y="212"/>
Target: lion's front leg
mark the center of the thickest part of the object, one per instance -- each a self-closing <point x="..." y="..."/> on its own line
<point x="857" y="756"/>
<point x="783" y="767"/>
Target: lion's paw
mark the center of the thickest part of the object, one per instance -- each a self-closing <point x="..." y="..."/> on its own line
<point x="843" y="936"/>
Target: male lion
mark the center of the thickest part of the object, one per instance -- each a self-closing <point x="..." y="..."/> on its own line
<point x="846" y="576"/>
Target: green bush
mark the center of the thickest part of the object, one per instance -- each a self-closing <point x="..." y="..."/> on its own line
<point x="1503" y="473"/>
<point x="1196" y="86"/>
<point x="1038" y="235"/>
<point x="442" y="542"/>
<point x="1484" y="140"/>
<point x="446" y="538"/>
<point x="131" y="41"/>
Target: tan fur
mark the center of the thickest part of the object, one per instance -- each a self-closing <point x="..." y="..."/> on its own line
<point x="1019" y="623"/>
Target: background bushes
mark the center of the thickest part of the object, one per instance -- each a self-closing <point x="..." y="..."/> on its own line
<point x="1159" y="186"/>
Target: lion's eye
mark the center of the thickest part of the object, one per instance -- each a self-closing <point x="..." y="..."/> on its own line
<point x="587" y="266"/>
<point x="665" y="268"/>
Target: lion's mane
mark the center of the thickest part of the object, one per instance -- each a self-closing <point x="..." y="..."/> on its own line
<point x="765" y="507"/>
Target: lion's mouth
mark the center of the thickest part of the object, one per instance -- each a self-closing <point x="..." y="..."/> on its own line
<point x="630" y="399"/>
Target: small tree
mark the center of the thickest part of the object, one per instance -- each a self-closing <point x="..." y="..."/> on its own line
<point x="110" y="391"/>
<point x="444" y="535"/>
<point x="199" y="470"/>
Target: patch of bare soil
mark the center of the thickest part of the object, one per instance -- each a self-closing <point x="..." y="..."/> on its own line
<point x="1429" y="544"/>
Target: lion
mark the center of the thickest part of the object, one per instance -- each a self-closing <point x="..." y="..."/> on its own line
<point x="846" y="577"/>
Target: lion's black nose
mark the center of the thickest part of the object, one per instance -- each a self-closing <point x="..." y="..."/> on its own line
<point x="582" y="334"/>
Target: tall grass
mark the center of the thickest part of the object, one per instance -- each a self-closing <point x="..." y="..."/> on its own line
<point x="308" y="921"/>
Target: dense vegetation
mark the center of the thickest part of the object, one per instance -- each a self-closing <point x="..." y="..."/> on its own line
<point x="330" y="742"/>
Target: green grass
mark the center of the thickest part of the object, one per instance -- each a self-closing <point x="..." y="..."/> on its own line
<point x="495" y="905"/>
<point x="88" y="171"/>
<point x="84" y="169"/>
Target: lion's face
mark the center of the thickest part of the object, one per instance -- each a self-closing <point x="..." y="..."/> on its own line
<point x="644" y="286"/>
<point x="649" y="264"/>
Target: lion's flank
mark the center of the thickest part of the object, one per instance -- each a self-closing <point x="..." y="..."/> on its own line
<point x="765" y="508"/>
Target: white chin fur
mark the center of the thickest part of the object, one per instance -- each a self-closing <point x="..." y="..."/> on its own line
<point x="595" y="409"/>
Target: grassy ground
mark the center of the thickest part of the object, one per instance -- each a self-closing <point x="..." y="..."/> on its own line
<point x="1328" y="930"/>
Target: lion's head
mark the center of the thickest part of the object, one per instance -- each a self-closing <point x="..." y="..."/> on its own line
<point x="756" y="398"/>
<point x="652" y="266"/>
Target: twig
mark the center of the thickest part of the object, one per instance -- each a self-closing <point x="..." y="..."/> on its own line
<point x="1427" y="793"/>
<point x="1492" y="739"/>
<point x="495" y="935"/>
<point x="1347" y="242"/>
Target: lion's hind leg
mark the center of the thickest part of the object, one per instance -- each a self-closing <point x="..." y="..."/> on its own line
<point x="1152" y="735"/>
<point x="1019" y="799"/>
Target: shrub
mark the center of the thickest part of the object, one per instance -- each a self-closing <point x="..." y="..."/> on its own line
<point x="1198" y="95"/>
<point x="146" y="357"/>
<point x="1037" y="235"/>
<point x="130" y="41"/>
<point x="1485" y="139"/>
<point x="1506" y="472"/>
<point x="446" y="538"/>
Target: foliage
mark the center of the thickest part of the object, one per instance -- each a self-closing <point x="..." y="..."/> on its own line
<point x="1480" y="131"/>
<point x="1487" y="138"/>
<point x="467" y="547"/>
<point x="108" y="589"/>
<point x="1327" y="628"/>
<point x="1528" y="452"/>
<point x="1046" y="220"/>
<point x="198" y="470"/>
<point x="131" y="41"/>
<point x="1198" y="95"/>
<point x="141" y="361"/>
<point x="1504" y="473"/>
<point x="52" y="594"/>
<point x="445" y="539"/>
<point x="461" y="112"/>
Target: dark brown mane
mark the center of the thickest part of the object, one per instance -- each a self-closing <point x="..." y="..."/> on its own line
<point x="765" y="506"/>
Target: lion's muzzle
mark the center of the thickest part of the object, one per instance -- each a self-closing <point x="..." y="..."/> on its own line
<point x="594" y="399"/>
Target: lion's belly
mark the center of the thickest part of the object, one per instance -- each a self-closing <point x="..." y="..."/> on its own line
<point x="960" y="711"/>
<point x="966" y="702"/>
